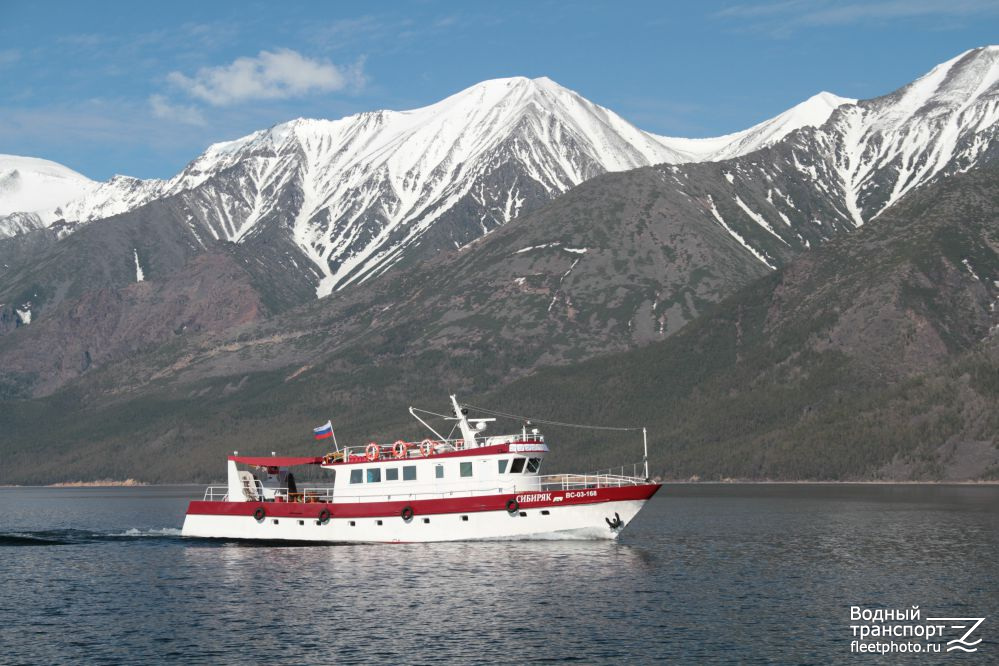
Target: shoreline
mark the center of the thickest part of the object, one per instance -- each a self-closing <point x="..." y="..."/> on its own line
<point x="133" y="483"/>
<point x="752" y="482"/>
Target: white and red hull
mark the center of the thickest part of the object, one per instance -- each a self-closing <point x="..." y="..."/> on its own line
<point x="600" y="513"/>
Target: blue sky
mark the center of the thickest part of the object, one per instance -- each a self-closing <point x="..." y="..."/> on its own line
<point x="142" y="88"/>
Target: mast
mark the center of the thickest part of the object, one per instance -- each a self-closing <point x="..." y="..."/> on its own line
<point x="467" y="432"/>
<point x="645" y="448"/>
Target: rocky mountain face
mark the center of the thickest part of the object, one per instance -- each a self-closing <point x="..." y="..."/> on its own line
<point x="622" y="260"/>
<point x="872" y="356"/>
<point x="875" y="356"/>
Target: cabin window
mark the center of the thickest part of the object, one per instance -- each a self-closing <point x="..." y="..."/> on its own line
<point x="409" y="473"/>
<point x="374" y="475"/>
<point x="392" y="474"/>
<point x="356" y="475"/>
<point x="465" y="469"/>
<point x="439" y="471"/>
<point x="533" y="465"/>
<point x="502" y="465"/>
<point x="518" y="465"/>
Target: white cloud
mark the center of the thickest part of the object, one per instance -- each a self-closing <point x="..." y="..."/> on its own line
<point x="162" y="108"/>
<point x="9" y="57"/>
<point x="271" y="75"/>
<point x="786" y="15"/>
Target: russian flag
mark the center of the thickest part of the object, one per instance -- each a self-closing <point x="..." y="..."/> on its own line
<point x="323" y="431"/>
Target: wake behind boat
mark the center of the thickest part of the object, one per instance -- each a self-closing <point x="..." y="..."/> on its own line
<point x="442" y="489"/>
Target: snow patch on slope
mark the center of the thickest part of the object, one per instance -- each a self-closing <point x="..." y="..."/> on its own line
<point x="742" y="241"/>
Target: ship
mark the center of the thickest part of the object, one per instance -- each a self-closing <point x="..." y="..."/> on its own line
<point x="442" y="488"/>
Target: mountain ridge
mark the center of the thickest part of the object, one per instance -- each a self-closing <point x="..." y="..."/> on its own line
<point x="358" y="193"/>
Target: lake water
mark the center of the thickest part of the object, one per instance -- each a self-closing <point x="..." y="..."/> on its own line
<point x="706" y="573"/>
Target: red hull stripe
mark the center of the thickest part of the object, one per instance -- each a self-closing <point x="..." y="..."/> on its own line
<point x="527" y="500"/>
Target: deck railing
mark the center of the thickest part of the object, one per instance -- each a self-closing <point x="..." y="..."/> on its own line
<point x="305" y="494"/>
<point x="308" y="495"/>
<point x="635" y="470"/>
<point x="585" y="481"/>
<point x="417" y="449"/>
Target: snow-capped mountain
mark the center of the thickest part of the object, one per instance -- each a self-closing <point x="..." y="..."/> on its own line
<point x="31" y="187"/>
<point x="362" y="193"/>
<point x="845" y="172"/>
<point x="940" y="123"/>
<point x="29" y="184"/>
<point x="813" y="112"/>
<point x="344" y="200"/>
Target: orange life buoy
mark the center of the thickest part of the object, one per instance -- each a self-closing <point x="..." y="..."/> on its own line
<point x="400" y="449"/>
<point x="426" y="448"/>
<point x="372" y="451"/>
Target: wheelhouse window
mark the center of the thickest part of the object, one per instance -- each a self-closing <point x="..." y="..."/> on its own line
<point x="374" y="475"/>
<point x="439" y="471"/>
<point x="392" y="474"/>
<point x="465" y="469"/>
<point x="518" y="465"/>
<point x="409" y="473"/>
<point x="533" y="465"/>
<point x="502" y="465"/>
<point x="357" y="476"/>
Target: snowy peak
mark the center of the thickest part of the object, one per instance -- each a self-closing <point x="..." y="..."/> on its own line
<point x="813" y="112"/>
<point x="942" y="122"/>
<point x="30" y="184"/>
<point x="959" y="82"/>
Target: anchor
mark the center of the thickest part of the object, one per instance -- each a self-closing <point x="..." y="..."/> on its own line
<point x="615" y="524"/>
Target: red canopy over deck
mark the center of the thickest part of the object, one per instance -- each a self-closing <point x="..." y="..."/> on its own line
<point x="277" y="461"/>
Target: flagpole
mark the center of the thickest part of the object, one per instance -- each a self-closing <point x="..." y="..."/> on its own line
<point x="333" y="432"/>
